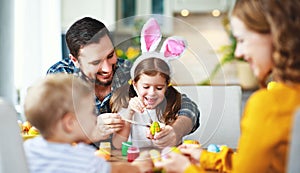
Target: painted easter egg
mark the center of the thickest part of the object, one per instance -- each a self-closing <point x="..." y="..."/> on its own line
<point x="154" y="128"/>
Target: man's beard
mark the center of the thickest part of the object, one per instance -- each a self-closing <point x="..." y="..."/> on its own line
<point x="97" y="81"/>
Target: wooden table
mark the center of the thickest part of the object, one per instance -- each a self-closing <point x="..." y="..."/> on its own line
<point x="116" y="156"/>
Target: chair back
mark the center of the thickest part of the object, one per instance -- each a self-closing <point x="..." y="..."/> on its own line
<point x="220" y="111"/>
<point x="293" y="165"/>
<point x="12" y="156"/>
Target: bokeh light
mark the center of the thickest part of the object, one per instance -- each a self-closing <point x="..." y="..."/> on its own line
<point x="185" y="12"/>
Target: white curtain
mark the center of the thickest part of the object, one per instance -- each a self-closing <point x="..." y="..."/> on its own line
<point x="37" y="40"/>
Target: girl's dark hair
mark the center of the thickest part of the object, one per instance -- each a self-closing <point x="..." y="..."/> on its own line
<point x="168" y="108"/>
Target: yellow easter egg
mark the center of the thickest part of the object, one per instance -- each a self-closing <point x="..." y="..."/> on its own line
<point x="154" y="128"/>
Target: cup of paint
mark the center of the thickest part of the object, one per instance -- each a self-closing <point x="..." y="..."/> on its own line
<point x="125" y="146"/>
<point x="132" y="153"/>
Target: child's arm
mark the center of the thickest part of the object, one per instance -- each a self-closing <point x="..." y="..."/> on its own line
<point x="134" y="105"/>
<point x="123" y="134"/>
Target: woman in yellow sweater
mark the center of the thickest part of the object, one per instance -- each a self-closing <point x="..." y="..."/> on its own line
<point x="268" y="37"/>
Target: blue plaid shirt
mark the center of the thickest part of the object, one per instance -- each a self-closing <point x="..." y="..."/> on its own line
<point x="121" y="76"/>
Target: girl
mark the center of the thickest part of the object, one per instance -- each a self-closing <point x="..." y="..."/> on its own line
<point x="150" y="96"/>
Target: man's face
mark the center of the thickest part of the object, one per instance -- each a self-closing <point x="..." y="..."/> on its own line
<point x="97" y="61"/>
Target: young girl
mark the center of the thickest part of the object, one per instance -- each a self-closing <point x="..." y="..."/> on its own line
<point x="150" y="96"/>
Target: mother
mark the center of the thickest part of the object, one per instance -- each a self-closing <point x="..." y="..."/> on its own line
<point x="268" y="37"/>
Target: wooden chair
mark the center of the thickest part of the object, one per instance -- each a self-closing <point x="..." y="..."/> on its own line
<point x="12" y="156"/>
<point x="220" y="111"/>
<point x="293" y="165"/>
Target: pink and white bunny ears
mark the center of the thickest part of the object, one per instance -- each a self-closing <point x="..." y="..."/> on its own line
<point x="172" y="48"/>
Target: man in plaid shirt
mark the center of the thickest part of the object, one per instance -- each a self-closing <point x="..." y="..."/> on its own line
<point x="92" y="57"/>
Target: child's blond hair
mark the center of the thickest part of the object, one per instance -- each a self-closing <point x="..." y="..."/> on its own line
<point x="50" y="99"/>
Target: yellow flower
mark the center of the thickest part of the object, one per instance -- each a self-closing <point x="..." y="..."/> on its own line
<point x="119" y="52"/>
<point x="132" y="53"/>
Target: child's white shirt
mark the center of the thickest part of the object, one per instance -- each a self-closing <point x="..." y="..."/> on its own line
<point x="138" y="133"/>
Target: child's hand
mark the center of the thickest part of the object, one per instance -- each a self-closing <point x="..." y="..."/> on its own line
<point x="148" y="134"/>
<point x="155" y="127"/>
<point x="136" y="104"/>
<point x="166" y="137"/>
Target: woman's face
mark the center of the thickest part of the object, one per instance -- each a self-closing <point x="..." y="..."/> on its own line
<point x="151" y="89"/>
<point x="255" y="48"/>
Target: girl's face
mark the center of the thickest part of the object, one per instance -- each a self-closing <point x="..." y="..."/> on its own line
<point x="151" y="89"/>
<point x="255" y="48"/>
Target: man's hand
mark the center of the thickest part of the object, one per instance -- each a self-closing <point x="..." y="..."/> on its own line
<point x="107" y="124"/>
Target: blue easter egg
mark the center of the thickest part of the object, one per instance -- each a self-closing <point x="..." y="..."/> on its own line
<point x="213" y="148"/>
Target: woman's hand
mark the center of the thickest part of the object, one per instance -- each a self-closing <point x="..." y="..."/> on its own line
<point x="193" y="151"/>
<point x="176" y="163"/>
<point x="143" y="162"/>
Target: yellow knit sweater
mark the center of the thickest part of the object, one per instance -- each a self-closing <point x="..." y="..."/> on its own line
<point x="265" y="136"/>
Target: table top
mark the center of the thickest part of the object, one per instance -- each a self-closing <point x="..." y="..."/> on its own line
<point x="116" y="156"/>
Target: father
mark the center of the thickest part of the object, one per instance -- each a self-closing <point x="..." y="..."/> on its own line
<point x="93" y="58"/>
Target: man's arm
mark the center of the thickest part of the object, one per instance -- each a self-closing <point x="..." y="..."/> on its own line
<point x="188" y="118"/>
<point x="186" y="122"/>
<point x="190" y="110"/>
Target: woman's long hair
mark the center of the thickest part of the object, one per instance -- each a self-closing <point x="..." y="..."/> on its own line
<point x="281" y="19"/>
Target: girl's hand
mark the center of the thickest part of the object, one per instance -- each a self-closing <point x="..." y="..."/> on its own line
<point x="136" y="105"/>
<point x="166" y="137"/>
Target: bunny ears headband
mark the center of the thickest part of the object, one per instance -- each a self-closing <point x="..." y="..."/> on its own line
<point x="172" y="48"/>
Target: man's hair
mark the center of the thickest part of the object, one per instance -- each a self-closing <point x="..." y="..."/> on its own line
<point x="50" y="99"/>
<point x="84" y="32"/>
